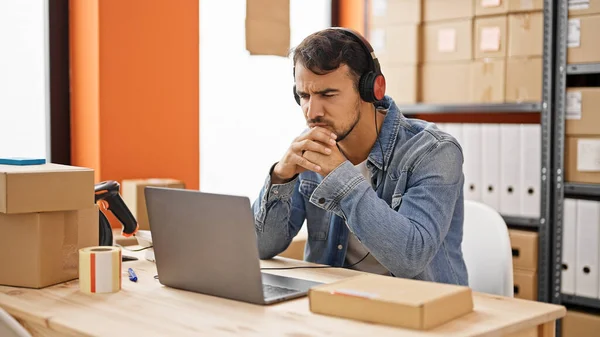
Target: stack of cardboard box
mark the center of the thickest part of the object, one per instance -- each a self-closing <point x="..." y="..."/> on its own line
<point x="524" y="246"/>
<point x="47" y="213"/>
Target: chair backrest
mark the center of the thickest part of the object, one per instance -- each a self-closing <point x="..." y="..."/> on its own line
<point x="487" y="250"/>
<point x="10" y="327"/>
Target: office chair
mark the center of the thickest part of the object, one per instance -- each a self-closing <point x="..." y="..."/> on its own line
<point x="487" y="250"/>
<point x="10" y="327"/>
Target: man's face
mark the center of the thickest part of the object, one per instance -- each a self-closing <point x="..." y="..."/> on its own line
<point x="330" y="101"/>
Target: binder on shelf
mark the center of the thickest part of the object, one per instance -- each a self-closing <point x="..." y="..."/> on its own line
<point x="569" y="245"/>
<point x="455" y="130"/>
<point x="471" y="134"/>
<point x="530" y="172"/>
<point x="588" y="233"/>
<point x="490" y="165"/>
<point x="510" y="189"/>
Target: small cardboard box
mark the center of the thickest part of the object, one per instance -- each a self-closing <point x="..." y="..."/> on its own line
<point x="296" y="248"/>
<point x="515" y="6"/>
<point x="446" y="82"/>
<point x="583" y="7"/>
<point x="490" y="37"/>
<point x="488" y="78"/>
<point x="45" y="188"/>
<point x="396" y="44"/>
<point x="392" y="301"/>
<point x="448" y="41"/>
<point x="524" y="246"/>
<point x="519" y="88"/>
<point x="132" y="191"/>
<point x="443" y="10"/>
<point x="42" y="249"/>
<point x="268" y="27"/>
<point x="582" y="112"/>
<point x="402" y="83"/>
<point x="491" y="7"/>
<point x="393" y="12"/>
<point x="582" y="39"/>
<point x="580" y="324"/>
<point x="582" y="160"/>
<point x="525" y="284"/>
<point x="525" y="34"/>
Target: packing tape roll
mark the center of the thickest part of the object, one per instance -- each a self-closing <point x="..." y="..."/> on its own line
<point x="100" y="269"/>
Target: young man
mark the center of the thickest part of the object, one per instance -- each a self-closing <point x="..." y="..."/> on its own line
<point x="379" y="192"/>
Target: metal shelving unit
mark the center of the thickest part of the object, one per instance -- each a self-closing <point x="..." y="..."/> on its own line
<point x="522" y="222"/>
<point x="582" y="190"/>
<point x="471" y="108"/>
<point x="585" y="68"/>
<point x="581" y="301"/>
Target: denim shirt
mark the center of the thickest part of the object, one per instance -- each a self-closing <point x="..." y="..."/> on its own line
<point x="409" y="216"/>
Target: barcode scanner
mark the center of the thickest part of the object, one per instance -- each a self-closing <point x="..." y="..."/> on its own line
<point x="108" y="199"/>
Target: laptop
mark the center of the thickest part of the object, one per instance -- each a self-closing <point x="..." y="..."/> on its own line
<point x="206" y="243"/>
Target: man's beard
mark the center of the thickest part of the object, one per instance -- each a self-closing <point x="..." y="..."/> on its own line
<point x="341" y="136"/>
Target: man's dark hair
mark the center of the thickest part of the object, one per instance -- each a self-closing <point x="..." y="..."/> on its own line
<point x="326" y="50"/>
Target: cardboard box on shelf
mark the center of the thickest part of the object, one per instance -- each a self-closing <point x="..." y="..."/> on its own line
<point x="45" y="188"/>
<point x="582" y="112"/>
<point x="523" y="80"/>
<point x="396" y="44"/>
<point x="268" y="27"/>
<point x="515" y="6"/>
<point x="376" y="298"/>
<point x="582" y="39"/>
<point x="132" y="191"/>
<point x="402" y="83"/>
<point x="490" y="37"/>
<point x="42" y="249"/>
<point x="525" y="284"/>
<point x="525" y="34"/>
<point x="582" y="160"/>
<point x="448" y="41"/>
<point x="580" y="324"/>
<point x="490" y="7"/>
<point x="393" y="12"/>
<point x="488" y="78"/>
<point x="524" y="246"/>
<point x="446" y="83"/>
<point x="583" y="7"/>
<point x="443" y="10"/>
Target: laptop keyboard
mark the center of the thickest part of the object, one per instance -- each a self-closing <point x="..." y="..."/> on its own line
<point x="274" y="291"/>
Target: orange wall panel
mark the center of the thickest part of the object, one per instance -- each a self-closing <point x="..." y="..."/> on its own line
<point x="352" y="15"/>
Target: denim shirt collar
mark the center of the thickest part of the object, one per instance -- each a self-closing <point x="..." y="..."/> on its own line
<point x="388" y="133"/>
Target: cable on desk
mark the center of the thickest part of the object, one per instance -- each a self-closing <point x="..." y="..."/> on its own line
<point x="133" y="250"/>
<point x="314" y="267"/>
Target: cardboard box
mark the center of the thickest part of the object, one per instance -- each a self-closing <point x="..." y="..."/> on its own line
<point x="523" y="80"/>
<point x="582" y="39"/>
<point x="393" y="12"/>
<point x="446" y="82"/>
<point x="296" y="248"/>
<point x="526" y="34"/>
<point x="443" y="10"/>
<point x="268" y="27"/>
<point x="525" y="284"/>
<point x="45" y="188"/>
<point x="580" y="324"/>
<point x="582" y="111"/>
<point x="583" y="7"/>
<point x="132" y="191"/>
<point x="490" y="37"/>
<point x="488" y="81"/>
<point x="515" y="6"/>
<point x="397" y="44"/>
<point x="524" y="246"/>
<point x="491" y="7"/>
<point x="448" y="41"/>
<point x="582" y="160"/>
<point x="42" y="249"/>
<point x="402" y="83"/>
<point x="392" y="301"/>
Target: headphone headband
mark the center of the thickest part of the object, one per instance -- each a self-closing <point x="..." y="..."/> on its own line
<point x="369" y="51"/>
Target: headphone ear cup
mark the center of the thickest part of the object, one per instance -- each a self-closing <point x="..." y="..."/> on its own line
<point x="296" y="97"/>
<point x="366" y="86"/>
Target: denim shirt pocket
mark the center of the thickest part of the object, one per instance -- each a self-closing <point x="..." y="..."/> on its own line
<point x="399" y="190"/>
<point x="317" y="219"/>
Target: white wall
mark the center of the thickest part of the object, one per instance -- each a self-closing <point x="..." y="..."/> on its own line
<point x="24" y="83"/>
<point x="248" y="115"/>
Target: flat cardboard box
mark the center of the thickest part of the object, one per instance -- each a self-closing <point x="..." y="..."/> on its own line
<point x="523" y="80"/>
<point x="582" y="39"/>
<point x="491" y="7"/>
<point x="444" y="10"/>
<point x="402" y="83"/>
<point x="392" y="301"/>
<point x="132" y="191"/>
<point x="583" y="7"/>
<point x="515" y="6"/>
<point x="490" y="37"/>
<point x="525" y="34"/>
<point x="45" y="188"/>
<point x="393" y="12"/>
<point x="488" y="78"/>
<point x="582" y="111"/>
<point x="42" y="249"/>
<point x="580" y="324"/>
<point x="396" y="44"/>
<point x="448" y="41"/>
<point x="524" y="246"/>
<point x="525" y="284"/>
<point x="582" y="159"/>
<point x="446" y="82"/>
<point x="268" y="27"/>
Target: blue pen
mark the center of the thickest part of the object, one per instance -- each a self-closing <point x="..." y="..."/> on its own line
<point x="132" y="275"/>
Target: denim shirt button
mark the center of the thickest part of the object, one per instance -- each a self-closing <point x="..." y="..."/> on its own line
<point x="321" y="201"/>
<point x="340" y="247"/>
<point x="276" y="192"/>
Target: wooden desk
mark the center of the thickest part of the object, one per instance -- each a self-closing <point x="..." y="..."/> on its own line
<point x="147" y="308"/>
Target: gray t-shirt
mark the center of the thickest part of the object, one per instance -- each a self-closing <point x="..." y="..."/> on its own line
<point x="357" y="250"/>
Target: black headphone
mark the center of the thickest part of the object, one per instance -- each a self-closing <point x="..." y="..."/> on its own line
<point x="371" y="85"/>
